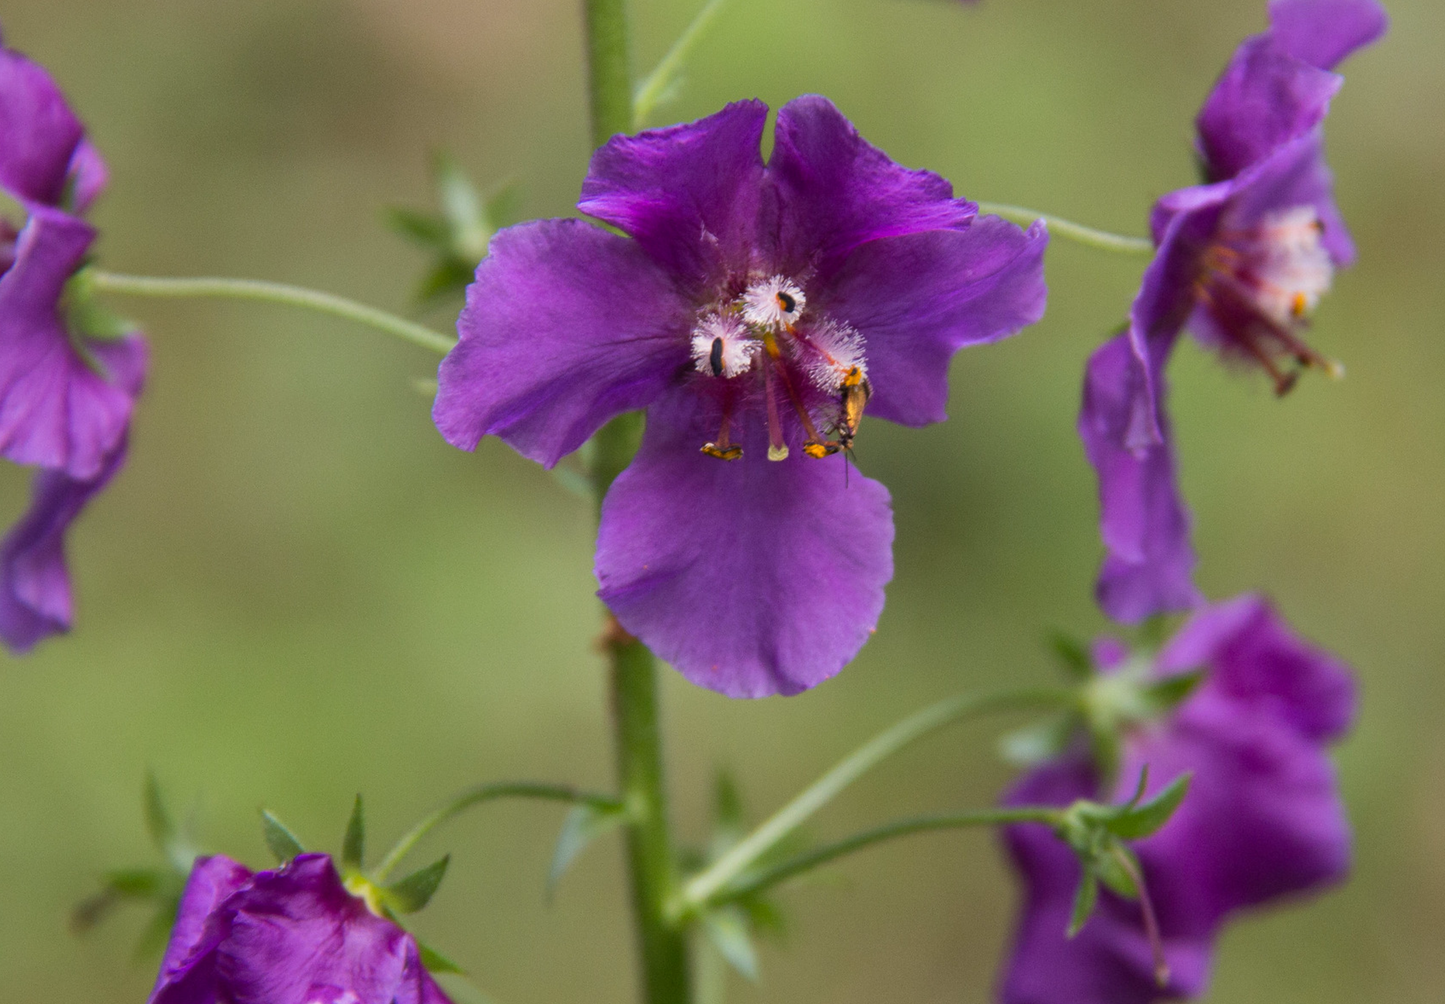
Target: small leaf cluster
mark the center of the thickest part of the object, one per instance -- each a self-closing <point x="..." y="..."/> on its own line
<point x="457" y="234"/>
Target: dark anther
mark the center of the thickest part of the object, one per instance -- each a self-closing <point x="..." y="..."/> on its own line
<point x="714" y="358"/>
<point x="787" y="303"/>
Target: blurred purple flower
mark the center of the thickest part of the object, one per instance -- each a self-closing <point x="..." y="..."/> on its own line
<point x="753" y="310"/>
<point x="293" y="935"/>
<point x="1241" y="262"/>
<point x="65" y="398"/>
<point x="1263" y="818"/>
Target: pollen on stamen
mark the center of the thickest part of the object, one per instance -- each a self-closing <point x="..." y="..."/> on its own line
<point x="1288" y="264"/>
<point x="721" y="347"/>
<point x="773" y="304"/>
<point x="837" y="351"/>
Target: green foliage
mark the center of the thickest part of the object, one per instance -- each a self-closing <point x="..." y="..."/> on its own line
<point x="584" y="824"/>
<point x="416" y="890"/>
<point x="353" y="845"/>
<point x="280" y="841"/>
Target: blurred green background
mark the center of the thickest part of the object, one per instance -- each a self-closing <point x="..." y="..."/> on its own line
<point x="297" y="591"/>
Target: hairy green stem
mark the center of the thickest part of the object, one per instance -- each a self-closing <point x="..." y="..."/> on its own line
<point x="652" y="863"/>
<point x="275" y="292"/>
<point x="1101" y="239"/>
<point x="477" y="796"/>
<point x="702" y="887"/>
<point x="782" y="871"/>
<point x="661" y="80"/>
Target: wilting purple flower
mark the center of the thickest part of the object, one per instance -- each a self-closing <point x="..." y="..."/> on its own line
<point x="1242" y="260"/>
<point x="294" y="935"/>
<point x="753" y="310"/>
<point x="1262" y="820"/>
<point x="65" y="399"/>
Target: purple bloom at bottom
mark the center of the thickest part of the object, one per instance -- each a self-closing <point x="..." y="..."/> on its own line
<point x="754" y="310"/>
<point x="1262" y="820"/>
<point x="289" y="936"/>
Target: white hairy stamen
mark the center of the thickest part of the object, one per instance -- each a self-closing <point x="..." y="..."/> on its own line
<point x="721" y="346"/>
<point x="773" y="304"/>
<point x="836" y="350"/>
<point x="1288" y="264"/>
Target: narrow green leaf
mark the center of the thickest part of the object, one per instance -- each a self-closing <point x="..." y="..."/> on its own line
<point x="1073" y="655"/>
<point x="727" y="929"/>
<point x="449" y="277"/>
<point x="1139" y="788"/>
<point x="1084" y="902"/>
<point x="584" y="824"/>
<point x="353" y="846"/>
<point x="416" y="890"/>
<point x="1167" y="694"/>
<point x="280" y="841"/>
<point x="504" y="205"/>
<point x="136" y="883"/>
<point x="1112" y="872"/>
<point x="463" y="208"/>
<point x="1037" y="743"/>
<point x="435" y="962"/>
<point x="158" y="821"/>
<point x="426" y="229"/>
<point x="1149" y="817"/>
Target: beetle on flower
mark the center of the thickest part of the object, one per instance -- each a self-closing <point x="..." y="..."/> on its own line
<point x="755" y="311"/>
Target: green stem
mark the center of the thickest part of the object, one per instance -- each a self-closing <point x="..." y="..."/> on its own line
<point x="1101" y="239"/>
<point x="652" y="864"/>
<point x="654" y="89"/>
<point x="476" y="796"/>
<point x="784" y="870"/>
<point x="275" y="292"/>
<point x="702" y="887"/>
<point x="609" y="69"/>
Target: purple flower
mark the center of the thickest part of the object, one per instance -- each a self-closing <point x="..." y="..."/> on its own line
<point x="65" y="398"/>
<point x="1242" y="260"/>
<point x="290" y="936"/>
<point x="753" y="310"/>
<point x="1262" y="820"/>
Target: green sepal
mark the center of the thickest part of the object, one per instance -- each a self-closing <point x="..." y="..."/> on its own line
<point x="138" y="883"/>
<point x="435" y="962"/>
<point x="280" y="841"/>
<point x="426" y="229"/>
<point x="416" y="890"/>
<point x="727" y="929"/>
<point x="1111" y="871"/>
<point x="87" y="316"/>
<point x="1039" y="742"/>
<point x="1141" y="820"/>
<point x="1085" y="899"/>
<point x="1073" y="655"/>
<point x="1162" y="696"/>
<point x="353" y="845"/>
<point x="584" y="824"/>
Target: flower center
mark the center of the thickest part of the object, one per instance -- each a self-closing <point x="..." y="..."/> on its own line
<point x="766" y="344"/>
<point x="1261" y="283"/>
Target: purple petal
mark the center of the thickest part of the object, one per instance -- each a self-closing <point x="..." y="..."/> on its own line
<point x="1143" y="520"/>
<point x="917" y="299"/>
<point x="1324" y="32"/>
<point x="751" y="577"/>
<point x="1295" y="174"/>
<point x="688" y="194"/>
<point x="40" y="132"/>
<point x="35" y="600"/>
<point x="187" y="974"/>
<point x="56" y="410"/>
<point x="1265" y="97"/>
<point x="566" y="326"/>
<point x="1256" y="658"/>
<point x="837" y="191"/>
<point x="89" y="175"/>
<point x="298" y="935"/>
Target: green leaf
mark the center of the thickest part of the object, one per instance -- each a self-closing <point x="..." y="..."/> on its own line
<point x="353" y="846"/>
<point x="1084" y="902"/>
<point x="727" y="929"/>
<point x="504" y="205"/>
<point x="281" y="842"/>
<point x="427" y="229"/>
<point x="1040" y="742"/>
<point x="435" y="962"/>
<point x="1109" y="866"/>
<point x="158" y="821"/>
<point x="450" y="277"/>
<point x="416" y="890"/>
<point x="463" y="209"/>
<point x="137" y="883"/>
<point x="1149" y="817"/>
<point x="1165" y="695"/>
<point x="1073" y="655"/>
<point x="584" y="824"/>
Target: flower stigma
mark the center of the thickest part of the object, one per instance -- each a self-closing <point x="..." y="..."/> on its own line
<point x="1261" y="283"/>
